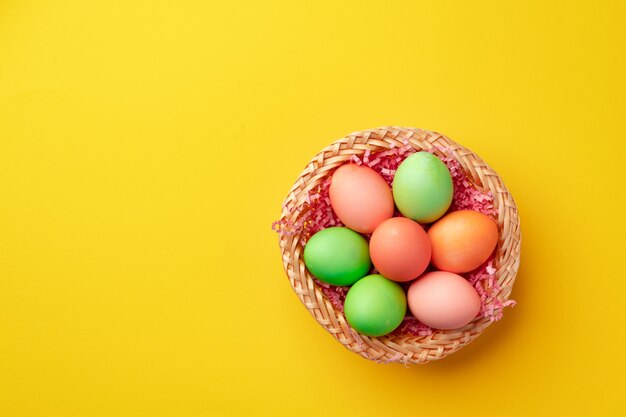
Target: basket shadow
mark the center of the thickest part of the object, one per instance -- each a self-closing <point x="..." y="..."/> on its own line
<point x="492" y="339"/>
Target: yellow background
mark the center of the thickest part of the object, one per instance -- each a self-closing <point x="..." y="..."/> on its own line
<point x="146" y="146"/>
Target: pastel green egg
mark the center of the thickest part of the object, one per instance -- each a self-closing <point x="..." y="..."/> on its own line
<point x="375" y="306"/>
<point x="337" y="255"/>
<point x="422" y="187"/>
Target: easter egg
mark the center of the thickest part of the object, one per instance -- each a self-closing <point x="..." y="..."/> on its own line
<point x="360" y="197"/>
<point x="443" y="300"/>
<point x="462" y="240"/>
<point x="422" y="187"/>
<point x="375" y="306"/>
<point x="400" y="249"/>
<point x="337" y="255"/>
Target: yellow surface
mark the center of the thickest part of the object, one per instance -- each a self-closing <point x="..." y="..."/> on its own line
<point x="146" y="146"/>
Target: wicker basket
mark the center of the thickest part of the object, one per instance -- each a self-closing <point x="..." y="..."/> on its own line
<point x="392" y="348"/>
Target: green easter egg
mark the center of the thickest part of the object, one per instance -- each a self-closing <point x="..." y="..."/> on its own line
<point x="337" y="255"/>
<point x="422" y="187"/>
<point x="375" y="306"/>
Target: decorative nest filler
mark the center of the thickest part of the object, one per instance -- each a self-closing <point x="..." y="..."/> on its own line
<point x="306" y="210"/>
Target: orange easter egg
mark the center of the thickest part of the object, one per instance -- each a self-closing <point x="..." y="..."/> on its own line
<point x="360" y="197"/>
<point x="400" y="249"/>
<point x="462" y="240"/>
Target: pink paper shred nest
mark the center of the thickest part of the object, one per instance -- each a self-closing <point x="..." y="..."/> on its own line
<point x="316" y="214"/>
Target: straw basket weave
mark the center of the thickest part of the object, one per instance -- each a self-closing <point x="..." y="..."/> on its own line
<point x="392" y="348"/>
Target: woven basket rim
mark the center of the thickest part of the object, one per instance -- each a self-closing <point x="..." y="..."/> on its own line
<point x="405" y="348"/>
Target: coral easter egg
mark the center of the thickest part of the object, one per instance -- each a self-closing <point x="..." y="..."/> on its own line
<point x="400" y="249"/>
<point x="360" y="197"/>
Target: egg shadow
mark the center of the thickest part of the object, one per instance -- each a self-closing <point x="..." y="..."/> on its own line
<point x="492" y="338"/>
